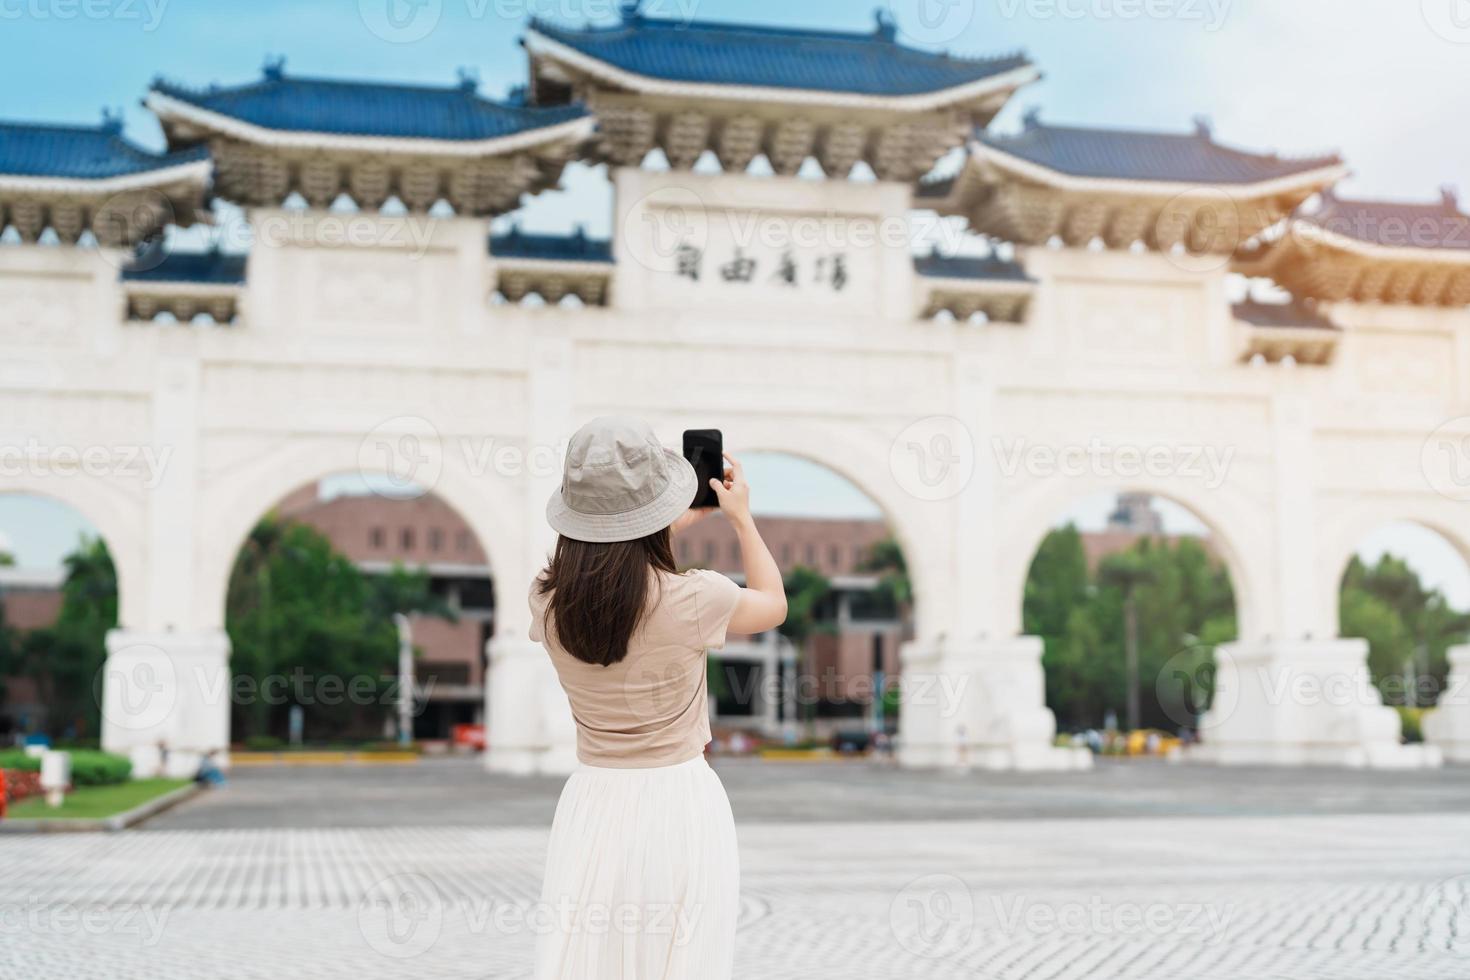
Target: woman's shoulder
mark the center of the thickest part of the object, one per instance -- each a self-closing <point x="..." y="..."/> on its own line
<point x="700" y="586"/>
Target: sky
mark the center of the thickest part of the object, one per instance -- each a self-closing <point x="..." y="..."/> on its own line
<point x="1380" y="81"/>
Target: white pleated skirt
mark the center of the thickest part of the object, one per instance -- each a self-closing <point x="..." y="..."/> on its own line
<point x="642" y="877"/>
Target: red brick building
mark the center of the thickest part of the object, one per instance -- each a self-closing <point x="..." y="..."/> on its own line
<point x="426" y="534"/>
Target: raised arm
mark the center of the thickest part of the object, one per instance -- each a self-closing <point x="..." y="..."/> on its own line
<point x="762" y="603"/>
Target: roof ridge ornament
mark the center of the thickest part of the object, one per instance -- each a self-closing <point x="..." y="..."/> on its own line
<point x="1204" y="126"/>
<point x="274" y="68"/>
<point x="1449" y="195"/>
<point x="469" y="79"/>
<point x="886" y="26"/>
<point x="1031" y="118"/>
<point x="629" y="12"/>
<point x="112" y="121"/>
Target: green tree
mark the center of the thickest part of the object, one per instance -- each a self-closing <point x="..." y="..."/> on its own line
<point x="308" y="627"/>
<point x="806" y="590"/>
<point x="886" y="558"/>
<point x="1183" y="603"/>
<point x="1406" y="625"/>
<point x="65" y="658"/>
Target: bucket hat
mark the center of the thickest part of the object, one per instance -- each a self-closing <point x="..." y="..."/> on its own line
<point x="618" y="483"/>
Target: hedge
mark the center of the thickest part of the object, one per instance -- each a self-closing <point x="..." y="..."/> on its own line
<point x="89" y="767"/>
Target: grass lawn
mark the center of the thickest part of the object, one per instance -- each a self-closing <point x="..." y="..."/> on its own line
<point x="96" y="802"/>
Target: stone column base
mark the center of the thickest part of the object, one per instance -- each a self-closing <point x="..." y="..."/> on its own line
<point x="1447" y="726"/>
<point x="979" y="705"/>
<point x="1302" y="703"/>
<point x="165" y="700"/>
<point x="529" y="727"/>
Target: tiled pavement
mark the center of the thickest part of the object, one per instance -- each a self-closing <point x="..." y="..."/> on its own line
<point x="1367" y="896"/>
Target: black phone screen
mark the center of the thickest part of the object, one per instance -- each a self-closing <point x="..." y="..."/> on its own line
<point x="704" y="448"/>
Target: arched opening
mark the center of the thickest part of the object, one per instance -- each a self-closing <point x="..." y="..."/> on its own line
<point x="359" y="610"/>
<point x="829" y="675"/>
<point x="1406" y="591"/>
<point x="58" y="600"/>
<point x="1129" y="592"/>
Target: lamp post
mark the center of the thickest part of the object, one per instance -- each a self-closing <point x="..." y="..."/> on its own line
<point x="405" y="678"/>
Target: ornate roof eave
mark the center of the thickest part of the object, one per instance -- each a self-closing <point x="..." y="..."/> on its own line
<point x="1304" y="183"/>
<point x="1316" y="263"/>
<point x="1301" y="230"/>
<point x="1304" y="345"/>
<point x="259" y="166"/>
<point x="145" y="299"/>
<point x="1001" y="300"/>
<point x="1273" y="332"/>
<point x="195" y="172"/>
<point x="173" y="112"/>
<point x="1022" y="201"/>
<point x="121" y="212"/>
<point x="553" y="279"/>
<point x="1002" y="84"/>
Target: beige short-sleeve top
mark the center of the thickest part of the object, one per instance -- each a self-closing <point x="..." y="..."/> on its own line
<point x="652" y="707"/>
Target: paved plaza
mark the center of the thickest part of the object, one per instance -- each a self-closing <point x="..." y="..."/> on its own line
<point x="432" y="871"/>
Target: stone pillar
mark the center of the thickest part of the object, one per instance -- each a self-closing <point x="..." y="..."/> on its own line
<point x="979" y="704"/>
<point x="530" y="728"/>
<point x="1447" y="726"/>
<point x="1302" y="703"/>
<point x="166" y="700"/>
<point x="165" y="687"/>
<point x="973" y="693"/>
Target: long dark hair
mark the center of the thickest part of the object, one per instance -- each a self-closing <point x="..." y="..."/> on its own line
<point x="599" y="593"/>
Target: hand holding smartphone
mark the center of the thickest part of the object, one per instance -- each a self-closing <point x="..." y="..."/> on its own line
<point x="705" y="451"/>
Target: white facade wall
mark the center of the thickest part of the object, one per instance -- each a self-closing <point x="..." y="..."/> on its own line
<point x="372" y="343"/>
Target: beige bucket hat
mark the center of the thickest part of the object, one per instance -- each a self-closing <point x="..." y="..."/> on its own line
<point x="619" y="483"/>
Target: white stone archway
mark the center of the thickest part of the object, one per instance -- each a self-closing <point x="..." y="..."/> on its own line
<point x="116" y="516"/>
<point x="1237" y="541"/>
<point x="1446" y="726"/>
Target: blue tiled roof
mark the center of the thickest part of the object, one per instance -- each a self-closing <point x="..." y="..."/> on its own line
<point x="79" y="152"/>
<point x="1136" y="155"/>
<point x="318" y="105"/>
<point x="1440" y="225"/>
<point x="576" y="247"/>
<point x="212" y="268"/>
<point x="1291" y="314"/>
<point x="969" y="267"/>
<point x="773" y="57"/>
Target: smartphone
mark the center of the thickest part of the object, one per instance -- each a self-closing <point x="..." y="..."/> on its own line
<point x="705" y="450"/>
